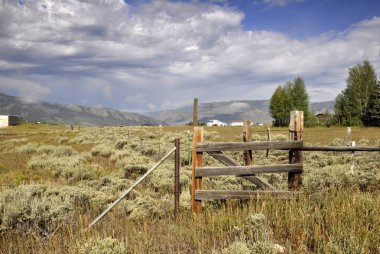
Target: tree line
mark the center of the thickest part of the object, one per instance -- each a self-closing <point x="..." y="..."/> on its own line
<point x="357" y="104"/>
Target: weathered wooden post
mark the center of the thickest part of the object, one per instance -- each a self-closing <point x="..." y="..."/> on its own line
<point x="195" y="112"/>
<point x="197" y="159"/>
<point x="348" y="136"/>
<point x="295" y="155"/>
<point x="176" y="177"/>
<point x="247" y="137"/>
<point x="269" y="139"/>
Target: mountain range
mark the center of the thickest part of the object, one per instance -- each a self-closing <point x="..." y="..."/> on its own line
<point x="70" y="114"/>
<point x="227" y="111"/>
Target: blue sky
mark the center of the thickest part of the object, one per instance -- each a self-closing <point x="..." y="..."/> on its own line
<point x="157" y="55"/>
<point x="307" y="18"/>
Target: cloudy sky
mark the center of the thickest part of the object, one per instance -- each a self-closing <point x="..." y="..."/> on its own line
<point x="155" y="55"/>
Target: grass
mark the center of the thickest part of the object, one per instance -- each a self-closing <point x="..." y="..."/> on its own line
<point x="55" y="181"/>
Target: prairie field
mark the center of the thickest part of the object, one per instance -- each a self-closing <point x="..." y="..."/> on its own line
<point x="54" y="181"/>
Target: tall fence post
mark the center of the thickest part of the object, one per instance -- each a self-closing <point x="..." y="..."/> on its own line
<point x="295" y="155"/>
<point x="247" y="137"/>
<point x="176" y="177"/>
<point x="195" y="112"/>
<point x="197" y="159"/>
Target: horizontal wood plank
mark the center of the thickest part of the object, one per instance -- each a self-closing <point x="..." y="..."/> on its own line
<point x="238" y="146"/>
<point x="248" y="170"/>
<point x="261" y="183"/>
<point x="243" y="194"/>
<point x="342" y="148"/>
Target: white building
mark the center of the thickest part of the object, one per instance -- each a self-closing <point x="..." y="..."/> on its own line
<point x="215" y="123"/>
<point x="6" y="121"/>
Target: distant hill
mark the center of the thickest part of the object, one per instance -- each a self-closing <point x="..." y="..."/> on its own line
<point x="229" y="111"/>
<point x="70" y="114"/>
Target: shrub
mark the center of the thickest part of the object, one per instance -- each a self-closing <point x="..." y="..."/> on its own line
<point x="34" y="205"/>
<point x="102" y="150"/>
<point x="238" y="247"/>
<point x="102" y="246"/>
<point x="121" y="143"/>
<point x="134" y="171"/>
<point x="108" y="184"/>
<point x="263" y="247"/>
<point x="338" y="142"/>
<point x="363" y="142"/>
<point x="257" y="220"/>
<point x="279" y="137"/>
<point x="146" y="206"/>
<point x="63" y="140"/>
<point x="148" y="152"/>
<point x="46" y="149"/>
<point x="71" y="168"/>
<point x="62" y="151"/>
<point x="162" y="180"/>
<point x="27" y="148"/>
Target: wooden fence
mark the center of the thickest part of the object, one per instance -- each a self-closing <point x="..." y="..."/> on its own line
<point x="293" y="168"/>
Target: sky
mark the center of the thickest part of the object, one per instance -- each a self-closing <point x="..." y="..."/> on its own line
<point x="152" y="55"/>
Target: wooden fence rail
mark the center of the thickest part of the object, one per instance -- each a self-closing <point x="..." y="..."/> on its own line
<point x="243" y="194"/>
<point x="248" y="170"/>
<point x="238" y="146"/>
<point x="342" y="148"/>
<point x="279" y="145"/>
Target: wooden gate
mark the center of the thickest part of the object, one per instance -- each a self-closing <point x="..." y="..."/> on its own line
<point x="248" y="171"/>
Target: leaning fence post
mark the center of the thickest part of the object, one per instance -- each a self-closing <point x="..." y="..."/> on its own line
<point x="125" y="193"/>
<point x="295" y="155"/>
<point x="176" y="177"/>
<point x="197" y="159"/>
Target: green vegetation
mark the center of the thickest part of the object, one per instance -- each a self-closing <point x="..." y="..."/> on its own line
<point x="359" y="102"/>
<point x="291" y="96"/>
<point x="55" y="181"/>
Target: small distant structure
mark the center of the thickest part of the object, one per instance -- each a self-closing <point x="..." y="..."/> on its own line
<point x="321" y="117"/>
<point x="237" y="123"/>
<point x="215" y="123"/>
<point x="7" y="120"/>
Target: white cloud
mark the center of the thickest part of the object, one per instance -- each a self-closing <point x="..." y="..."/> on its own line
<point x="236" y="107"/>
<point x="160" y="54"/>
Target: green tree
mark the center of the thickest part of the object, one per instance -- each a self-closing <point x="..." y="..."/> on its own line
<point x="280" y="106"/>
<point x="373" y="114"/>
<point x="354" y="103"/>
<point x="291" y="96"/>
<point x="300" y="96"/>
